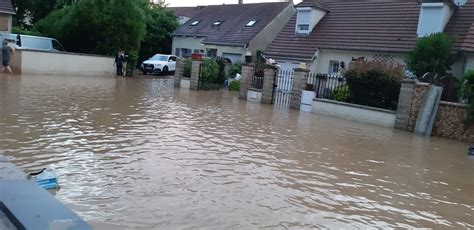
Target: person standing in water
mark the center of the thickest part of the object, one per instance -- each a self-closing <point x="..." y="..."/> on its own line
<point x="6" y="57"/>
<point x="119" y="59"/>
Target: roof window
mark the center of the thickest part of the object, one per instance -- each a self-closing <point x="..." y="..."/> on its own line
<point x="217" y="23"/>
<point x="251" y="23"/>
<point x="195" y="23"/>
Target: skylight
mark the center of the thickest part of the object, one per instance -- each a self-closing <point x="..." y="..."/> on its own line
<point x="217" y="23"/>
<point x="251" y="23"/>
<point x="195" y="23"/>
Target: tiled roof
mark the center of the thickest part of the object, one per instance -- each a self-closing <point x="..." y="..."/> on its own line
<point x="6" y="7"/>
<point x="185" y="11"/>
<point x="461" y="26"/>
<point x="232" y="30"/>
<point x="314" y="3"/>
<point x="362" y="25"/>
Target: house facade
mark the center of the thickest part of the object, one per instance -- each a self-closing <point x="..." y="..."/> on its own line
<point x="6" y="16"/>
<point x="231" y="31"/>
<point x="324" y="33"/>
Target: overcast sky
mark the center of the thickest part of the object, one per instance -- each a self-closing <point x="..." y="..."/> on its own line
<point x="213" y="2"/>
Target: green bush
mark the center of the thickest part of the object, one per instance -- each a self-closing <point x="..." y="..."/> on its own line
<point x="376" y="85"/>
<point x="188" y="64"/>
<point x="234" y="85"/>
<point x="341" y="93"/>
<point x="467" y="93"/>
<point x="433" y="53"/>
<point x="235" y="69"/>
<point x="210" y="79"/>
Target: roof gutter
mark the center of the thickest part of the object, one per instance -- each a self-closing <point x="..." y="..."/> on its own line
<point x="8" y="12"/>
<point x="225" y="44"/>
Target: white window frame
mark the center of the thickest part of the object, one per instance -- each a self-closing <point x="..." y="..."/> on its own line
<point x="333" y="65"/>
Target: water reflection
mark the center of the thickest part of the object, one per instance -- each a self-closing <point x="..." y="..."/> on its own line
<point x="139" y="154"/>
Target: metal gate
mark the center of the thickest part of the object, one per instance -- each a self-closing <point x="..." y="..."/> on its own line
<point x="282" y="89"/>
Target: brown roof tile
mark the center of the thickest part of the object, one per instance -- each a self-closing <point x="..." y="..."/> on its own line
<point x="185" y="11"/>
<point x="461" y="26"/>
<point x="232" y="30"/>
<point x="6" y="7"/>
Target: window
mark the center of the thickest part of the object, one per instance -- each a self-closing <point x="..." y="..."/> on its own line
<point x="333" y="67"/>
<point x="177" y="52"/>
<point x="196" y="51"/>
<point x="303" y="27"/>
<point x="172" y="58"/>
<point x="211" y="52"/>
<point x="195" y="23"/>
<point x="217" y="23"/>
<point x="251" y="23"/>
<point x="185" y="53"/>
<point x="57" y="46"/>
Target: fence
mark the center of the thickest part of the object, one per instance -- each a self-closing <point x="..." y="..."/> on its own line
<point x="257" y="78"/>
<point x="284" y="80"/>
<point x="325" y="84"/>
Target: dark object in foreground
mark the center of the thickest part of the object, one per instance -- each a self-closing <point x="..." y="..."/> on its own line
<point x="471" y="151"/>
<point x="36" y="173"/>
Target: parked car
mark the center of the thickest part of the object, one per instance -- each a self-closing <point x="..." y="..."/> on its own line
<point x="159" y="63"/>
<point x="34" y="42"/>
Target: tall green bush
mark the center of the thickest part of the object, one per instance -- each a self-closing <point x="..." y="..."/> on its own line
<point x="374" y="84"/>
<point x="467" y="93"/>
<point x="433" y="53"/>
<point x="188" y="64"/>
<point x="209" y="74"/>
<point x="235" y="69"/>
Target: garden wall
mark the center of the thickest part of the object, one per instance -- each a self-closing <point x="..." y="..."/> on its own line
<point x="449" y="119"/>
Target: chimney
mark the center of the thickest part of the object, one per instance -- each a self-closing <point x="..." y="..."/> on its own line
<point x="241" y="2"/>
<point x="434" y="15"/>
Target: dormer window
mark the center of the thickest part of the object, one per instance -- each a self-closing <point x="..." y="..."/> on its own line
<point x="303" y="20"/>
<point x="251" y="23"/>
<point x="217" y="23"/>
<point x="195" y="23"/>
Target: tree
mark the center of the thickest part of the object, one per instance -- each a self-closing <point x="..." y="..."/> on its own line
<point x="29" y="12"/>
<point x="467" y="93"/>
<point x="97" y="26"/>
<point x="160" y="23"/>
<point x="433" y="53"/>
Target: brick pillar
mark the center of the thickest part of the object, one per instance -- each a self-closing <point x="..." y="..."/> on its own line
<point x="247" y="74"/>
<point x="195" y="75"/>
<point x="405" y="101"/>
<point x="300" y="78"/>
<point x="268" y="83"/>
<point x="178" y="73"/>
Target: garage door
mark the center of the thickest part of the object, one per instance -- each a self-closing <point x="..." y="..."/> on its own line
<point x="234" y="57"/>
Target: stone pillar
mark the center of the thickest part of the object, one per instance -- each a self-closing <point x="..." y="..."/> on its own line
<point x="268" y="83"/>
<point x="300" y="78"/>
<point x="405" y="101"/>
<point x="247" y="74"/>
<point x="178" y="73"/>
<point x="195" y="71"/>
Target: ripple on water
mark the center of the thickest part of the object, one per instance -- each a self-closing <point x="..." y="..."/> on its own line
<point x="138" y="153"/>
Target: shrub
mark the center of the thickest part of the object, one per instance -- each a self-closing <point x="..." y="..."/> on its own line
<point x="210" y="75"/>
<point x="235" y="69"/>
<point x="467" y="93"/>
<point x="234" y="85"/>
<point x="376" y="85"/>
<point x="433" y="53"/>
<point x="341" y="93"/>
<point x="188" y="64"/>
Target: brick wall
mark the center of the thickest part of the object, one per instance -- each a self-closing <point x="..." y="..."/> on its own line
<point x="418" y="95"/>
<point x="449" y="122"/>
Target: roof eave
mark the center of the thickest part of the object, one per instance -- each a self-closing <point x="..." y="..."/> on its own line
<point x="224" y="43"/>
<point x="8" y="12"/>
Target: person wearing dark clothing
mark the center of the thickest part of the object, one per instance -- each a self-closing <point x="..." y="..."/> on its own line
<point x="119" y="59"/>
<point x="6" y="58"/>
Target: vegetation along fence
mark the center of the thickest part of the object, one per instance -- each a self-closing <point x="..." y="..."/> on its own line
<point x="328" y="86"/>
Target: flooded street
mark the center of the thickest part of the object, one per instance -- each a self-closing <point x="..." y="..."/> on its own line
<point x="136" y="153"/>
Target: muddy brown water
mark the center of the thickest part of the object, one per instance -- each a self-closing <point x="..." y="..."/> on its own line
<point x="139" y="154"/>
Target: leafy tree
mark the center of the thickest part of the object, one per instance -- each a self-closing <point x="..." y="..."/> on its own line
<point x="433" y="53"/>
<point x="29" y="12"/>
<point x="160" y="23"/>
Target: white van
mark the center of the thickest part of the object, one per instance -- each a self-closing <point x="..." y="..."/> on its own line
<point x="34" y="42"/>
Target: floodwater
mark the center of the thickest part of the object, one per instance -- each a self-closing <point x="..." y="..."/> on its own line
<point x="139" y="154"/>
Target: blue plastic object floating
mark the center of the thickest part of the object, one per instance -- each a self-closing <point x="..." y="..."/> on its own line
<point x="47" y="179"/>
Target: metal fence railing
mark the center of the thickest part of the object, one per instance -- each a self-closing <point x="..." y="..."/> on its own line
<point x="257" y="78"/>
<point x="325" y="84"/>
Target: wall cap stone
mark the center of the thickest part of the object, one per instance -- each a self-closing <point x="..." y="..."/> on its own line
<point x="453" y="104"/>
<point x="409" y="81"/>
<point x="300" y="70"/>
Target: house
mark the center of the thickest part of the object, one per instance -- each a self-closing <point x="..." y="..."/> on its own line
<point x="231" y="30"/>
<point x="6" y="15"/>
<point x="185" y="13"/>
<point x="324" y="33"/>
